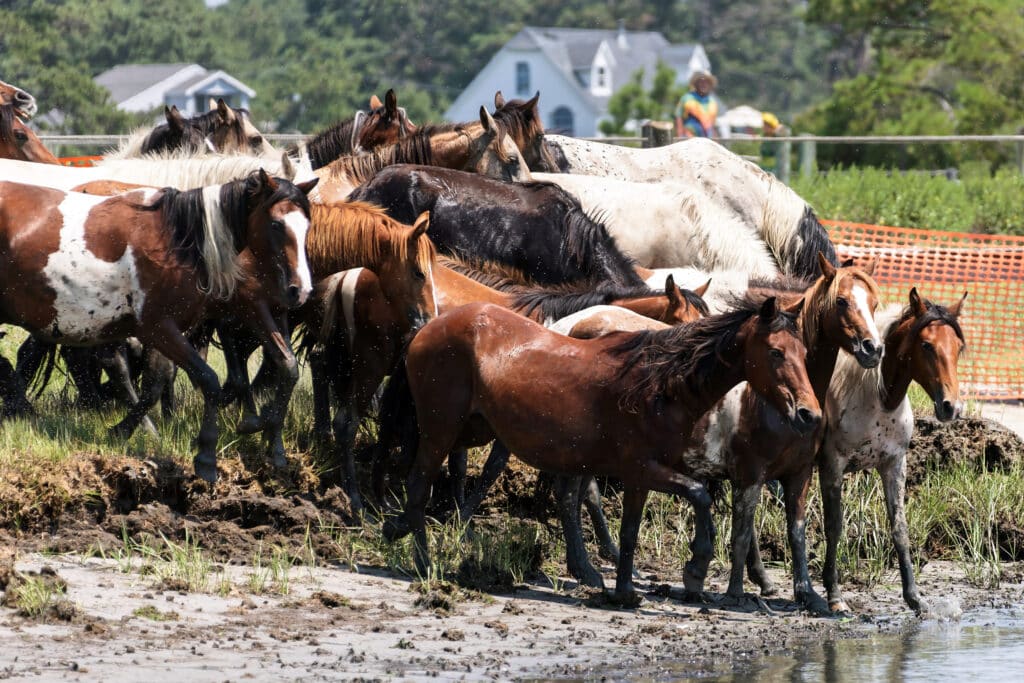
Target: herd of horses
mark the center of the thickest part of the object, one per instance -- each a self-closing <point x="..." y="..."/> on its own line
<point x="665" y="318"/>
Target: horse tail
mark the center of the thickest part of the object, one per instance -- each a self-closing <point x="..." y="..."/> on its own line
<point x="812" y="238"/>
<point x="396" y="426"/>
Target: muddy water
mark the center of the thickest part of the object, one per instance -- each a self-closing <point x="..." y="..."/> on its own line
<point x="984" y="645"/>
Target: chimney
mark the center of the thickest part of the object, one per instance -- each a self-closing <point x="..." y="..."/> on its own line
<point x="623" y="42"/>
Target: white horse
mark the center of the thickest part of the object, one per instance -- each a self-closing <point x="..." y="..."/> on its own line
<point x="758" y="198"/>
<point x="670" y="224"/>
<point x="869" y="421"/>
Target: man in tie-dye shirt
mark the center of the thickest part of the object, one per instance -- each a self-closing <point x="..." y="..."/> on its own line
<point x="698" y="108"/>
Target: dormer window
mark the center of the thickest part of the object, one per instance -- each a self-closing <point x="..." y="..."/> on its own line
<point x="522" y="78"/>
<point x="602" y="77"/>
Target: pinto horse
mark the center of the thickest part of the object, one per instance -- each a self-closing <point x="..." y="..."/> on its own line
<point x="869" y="422"/>
<point x="613" y="406"/>
<point x="482" y="148"/>
<point x="17" y="141"/>
<point x="535" y="227"/>
<point x="83" y="270"/>
<point x="24" y="104"/>
<point x="385" y="124"/>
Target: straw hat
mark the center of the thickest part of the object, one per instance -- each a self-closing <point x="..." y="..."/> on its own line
<point x="703" y="74"/>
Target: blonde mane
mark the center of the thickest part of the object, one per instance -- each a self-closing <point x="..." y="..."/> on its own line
<point x="850" y="379"/>
<point x="223" y="271"/>
<point x="352" y="234"/>
<point x="186" y="172"/>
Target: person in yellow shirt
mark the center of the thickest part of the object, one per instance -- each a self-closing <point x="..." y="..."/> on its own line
<point x="697" y="109"/>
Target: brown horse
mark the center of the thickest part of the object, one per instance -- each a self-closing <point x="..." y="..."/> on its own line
<point x="24" y="104"/>
<point x="17" y="141"/>
<point x="613" y="406"/>
<point x="82" y="270"/>
<point x="869" y="422"/>
<point x="385" y="124"/>
<point x="483" y="148"/>
<point x="522" y="121"/>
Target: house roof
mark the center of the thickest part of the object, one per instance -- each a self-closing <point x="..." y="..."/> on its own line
<point x="196" y="83"/>
<point x="573" y="50"/>
<point x="127" y="80"/>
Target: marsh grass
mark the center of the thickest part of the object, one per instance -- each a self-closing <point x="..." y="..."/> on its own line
<point x="33" y="596"/>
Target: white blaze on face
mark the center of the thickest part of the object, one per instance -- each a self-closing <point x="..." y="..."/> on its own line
<point x="860" y="297"/>
<point x="90" y="293"/>
<point x="297" y="222"/>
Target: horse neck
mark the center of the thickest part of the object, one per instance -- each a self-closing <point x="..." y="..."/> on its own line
<point x="456" y="289"/>
<point x="328" y="145"/>
<point x="895" y="373"/>
<point x="654" y="307"/>
<point x="822" y="352"/>
<point x="451" y="149"/>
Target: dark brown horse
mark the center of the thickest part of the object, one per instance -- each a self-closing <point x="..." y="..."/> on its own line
<point x="521" y="118"/>
<point x="613" y="406"/>
<point x="385" y="124"/>
<point x="869" y="422"/>
<point x="17" y="141"/>
<point x="178" y="134"/>
<point x="83" y="270"/>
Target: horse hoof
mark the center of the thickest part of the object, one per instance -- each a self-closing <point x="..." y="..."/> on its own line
<point x="814" y="604"/>
<point x="149" y="427"/>
<point x="839" y="607"/>
<point x="249" y="424"/>
<point x="394" y="529"/>
<point x="626" y="598"/>
<point x="277" y="457"/>
<point x="691" y="582"/>
<point x="205" y="470"/>
<point x="699" y="597"/>
<point x="589" y="577"/>
<point x="769" y="591"/>
<point x="123" y="431"/>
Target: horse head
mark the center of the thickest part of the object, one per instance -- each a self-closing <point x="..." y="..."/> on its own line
<point x="230" y="131"/>
<point x="17" y="141"/>
<point x="684" y="305"/>
<point x="521" y="119"/>
<point x="24" y="104"/>
<point x="845" y="309"/>
<point x="178" y="133"/>
<point x="775" y="364"/>
<point x="279" y="217"/>
<point x="494" y="153"/>
<point x="930" y="350"/>
<point x="411" y="275"/>
<point x="386" y="124"/>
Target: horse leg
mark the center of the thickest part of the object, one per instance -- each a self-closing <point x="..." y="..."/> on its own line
<point x="567" y="495"/>
<point x="830" y="477"/>
<point x="167" y="339"/>
<point x="795" y="491"/>
<point x="321" y="395"/>
<point x="633" y="501"/>
<point x="496" y="462"/>
<point x="13" y="383"/>
<point x="458" y="463"/>
<point x="590" y="496"/>
<point x="86" y="372"/>
<point x="115" y="363"/>
<point x="236" y="385"/>
<point x="894" y="483"/>
<point x="755" y="568"/>
<point x="744" y="504"/>
<point x="277" y="350"/>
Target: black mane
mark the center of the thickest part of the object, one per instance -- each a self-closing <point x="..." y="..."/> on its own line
<point x="811" y="238"/>
<point x="327" y="145"/>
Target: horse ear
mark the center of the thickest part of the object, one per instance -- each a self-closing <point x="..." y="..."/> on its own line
<point x="174" y="118"/>
<point x="796" y="307"/>
<point x="266" y="181"/>
<point x="487" y="120"/>
<point x="224" y="112"/>
<point x="287" y="167"/>
<point x="308" y="186"/>
<point x="827" y="269"/>
<point x="532" y="102"/>
<point x="675" y="297"/>
<point x="375" y="102"/>
<point x="848" y="263"/>
<point x="869" y="267"/>
<point x="499" y="100"/>
<point x="390" y="101"/>
<point x="419" y="228"/>
<point x="954" y="310"/>
<point x="703" y="289"/>
<point x="917" y="304"/>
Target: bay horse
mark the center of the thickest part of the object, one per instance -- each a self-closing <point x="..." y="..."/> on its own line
<point x="870" y="422"/>
<point x="538" y="228"/>
<point x="385" y="124"/>
<point x="756" y="197"/>
<point x="18" y="141"/>
<point x="669" y="223"/>
<point x="613" y="406"/>
<point x="83" y="270"/>
<point x="481" y="148"/>
<point x="24" y="103"/>
<point x="521" y="118"/>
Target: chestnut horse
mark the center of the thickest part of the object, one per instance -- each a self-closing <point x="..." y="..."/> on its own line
<point x="17" y="141"/>
<point x="613" y="406"/>
<point x="869" y="422"/>
<point x="152" y="264"/>
<point x="24" y="104"/>
<point x="385" y="124"/>
<point x="481" y="148"/>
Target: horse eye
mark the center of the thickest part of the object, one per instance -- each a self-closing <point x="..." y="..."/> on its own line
<point x="842" y="302"/>
<point x="927" y="347"/>
<point x="21" y="136"/>
<point x="277" y="225"/>
<point x="777" y="354"/>
<point x="420" y="275"/>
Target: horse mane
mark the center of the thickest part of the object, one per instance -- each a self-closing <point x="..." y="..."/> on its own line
<point x="849" y="378"/>
<point x="7" y="123"/>
<point x="415" y="149"/>
<point x="179" y="169"/>
<point x="327" y="145"/>
<point x="588" y="241"/>
<point x="684" y="356"/>
<point x="561" y="300"/>
<point x="793" y="232"/>
<point x="351" y="234"/>
<point x="493" y="274"/>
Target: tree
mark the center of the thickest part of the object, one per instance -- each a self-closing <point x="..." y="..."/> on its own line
<point x="632" y="103"/>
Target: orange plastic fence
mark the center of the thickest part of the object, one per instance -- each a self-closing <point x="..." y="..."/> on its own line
<point x="79" y="161"/>
<point x="943" y="265"/>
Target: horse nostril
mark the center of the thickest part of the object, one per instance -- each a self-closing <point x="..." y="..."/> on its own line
<point x="805" y="416"/>
<point x="869" y="347"/>
<point x="293" y="292"/>
<point x="948" y="410"/>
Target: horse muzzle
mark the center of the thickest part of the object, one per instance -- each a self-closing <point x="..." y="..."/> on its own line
<point x="297" y="296"/>
<point x="946" y="410"/>
<point x="804" y="420"/>
<point x="24" y="105"/>
<point x="868" y="353"/>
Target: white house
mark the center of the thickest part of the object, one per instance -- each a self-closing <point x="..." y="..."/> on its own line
<point x="190" y="87"/>
<point x="576" y="72"/>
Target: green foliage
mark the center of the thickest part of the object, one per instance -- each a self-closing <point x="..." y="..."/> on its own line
<point x="978" y="202"/>
<point x="632" y="102"/>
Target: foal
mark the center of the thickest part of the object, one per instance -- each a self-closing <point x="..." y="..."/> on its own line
<point x="613" y="406"/>
<point x="869" y="422"/>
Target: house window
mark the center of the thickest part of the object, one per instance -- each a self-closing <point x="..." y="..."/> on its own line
<point x="602" y="77"/>
<point x="562" y="121"/>
<point x="522" y="78"/>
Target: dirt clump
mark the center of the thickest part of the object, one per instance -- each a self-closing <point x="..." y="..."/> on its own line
<point x="978" y="442"/>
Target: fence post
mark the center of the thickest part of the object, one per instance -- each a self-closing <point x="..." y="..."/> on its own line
<point x="808" y="155"/>
<point x="1020" y="157"/>
<point x="656" y="133"/>
<point x="782" y="163"/>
